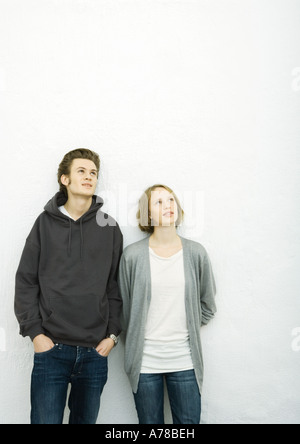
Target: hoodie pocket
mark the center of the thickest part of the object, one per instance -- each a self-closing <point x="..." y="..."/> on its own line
<point x="77" y="317"/>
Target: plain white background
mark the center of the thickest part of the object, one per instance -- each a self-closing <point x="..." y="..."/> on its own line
<point x="203" y="96"/>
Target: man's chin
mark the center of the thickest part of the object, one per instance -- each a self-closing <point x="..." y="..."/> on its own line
<point x="83" y="193"/>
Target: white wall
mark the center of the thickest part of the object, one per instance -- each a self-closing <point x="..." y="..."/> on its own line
<point x="203" y="96"/>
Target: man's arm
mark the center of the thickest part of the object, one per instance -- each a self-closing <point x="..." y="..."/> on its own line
<point x="113" y="292"/>
<point x="114" y="298"/>
<point x="27" y="288"/>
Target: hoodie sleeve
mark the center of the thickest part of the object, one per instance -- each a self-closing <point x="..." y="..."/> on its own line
<point x="27" y="287"/>
<point x="113" y="293"/>
<point x="207" y="291"/>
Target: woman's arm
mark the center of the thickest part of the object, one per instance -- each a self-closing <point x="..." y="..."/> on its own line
<point x="124" y="286"/>
<point x="207" y="290"/>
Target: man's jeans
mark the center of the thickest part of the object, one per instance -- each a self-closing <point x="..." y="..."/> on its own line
<point x="184" y="395"/>
<point x="83" y="368"/>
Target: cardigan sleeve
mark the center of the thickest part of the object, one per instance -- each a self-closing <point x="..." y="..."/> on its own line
<point x="124" y="286"/>
<point x="207" y="290"/>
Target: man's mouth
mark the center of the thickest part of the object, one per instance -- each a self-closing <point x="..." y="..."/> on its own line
<point x="88" y="185"/>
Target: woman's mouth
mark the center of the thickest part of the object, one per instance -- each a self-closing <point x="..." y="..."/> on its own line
<point x="169" y="214"/>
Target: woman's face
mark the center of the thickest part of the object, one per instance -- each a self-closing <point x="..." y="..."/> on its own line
<point x="163" y="208"/>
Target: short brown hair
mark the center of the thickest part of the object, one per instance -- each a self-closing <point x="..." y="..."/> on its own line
<point x="143" y="214"/>
<point x="65" y="165"/>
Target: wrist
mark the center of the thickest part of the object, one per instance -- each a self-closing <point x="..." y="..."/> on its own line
<point x="114" y="339"/>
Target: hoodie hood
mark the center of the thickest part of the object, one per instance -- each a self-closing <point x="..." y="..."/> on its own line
<point x="60" y="199"/>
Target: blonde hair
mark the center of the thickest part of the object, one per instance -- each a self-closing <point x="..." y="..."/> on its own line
<point x="143" y="214"/>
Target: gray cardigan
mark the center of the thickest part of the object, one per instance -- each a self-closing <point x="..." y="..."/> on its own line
<point x="135" y="287"/>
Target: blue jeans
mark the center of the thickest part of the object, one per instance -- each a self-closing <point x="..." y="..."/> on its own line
<point x="53" y="371"/>
<point x="184" y="395"/>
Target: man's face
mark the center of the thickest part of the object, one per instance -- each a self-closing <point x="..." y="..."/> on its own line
<point x="83" y="178"/>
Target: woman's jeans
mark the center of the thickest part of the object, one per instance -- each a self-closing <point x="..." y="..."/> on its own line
<point x="53" y="371"/>
<point x="184" y="395"/>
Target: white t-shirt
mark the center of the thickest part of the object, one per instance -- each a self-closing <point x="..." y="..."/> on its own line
<point x="64" y="211"/>
<point x="167" y="347"/>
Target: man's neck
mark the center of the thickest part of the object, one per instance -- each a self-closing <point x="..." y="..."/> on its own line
<point x="77" y="206"/>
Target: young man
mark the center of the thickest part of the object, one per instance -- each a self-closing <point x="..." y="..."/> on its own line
<point x="67" y="299"/>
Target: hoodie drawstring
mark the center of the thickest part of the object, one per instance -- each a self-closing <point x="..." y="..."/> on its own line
<point x="81" y="239"/>
<point x="53" y="209"/>
<point x="70" y="238"/>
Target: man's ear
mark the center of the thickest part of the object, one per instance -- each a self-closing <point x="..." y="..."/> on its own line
<point x="65" y="180"/>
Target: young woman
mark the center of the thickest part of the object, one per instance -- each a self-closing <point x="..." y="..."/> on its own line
<point x="168" y="292"/>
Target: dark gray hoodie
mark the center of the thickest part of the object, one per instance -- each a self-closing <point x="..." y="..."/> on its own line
<point x="66" y="283"/>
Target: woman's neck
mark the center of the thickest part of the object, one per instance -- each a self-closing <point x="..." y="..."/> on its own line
<point x="164" y="237"/>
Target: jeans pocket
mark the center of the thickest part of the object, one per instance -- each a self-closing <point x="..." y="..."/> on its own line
<point x="98" y="354"/>
<point x="47" y="352"/>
